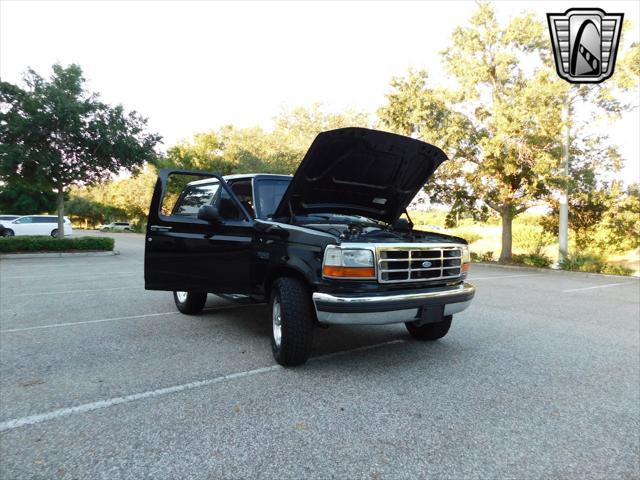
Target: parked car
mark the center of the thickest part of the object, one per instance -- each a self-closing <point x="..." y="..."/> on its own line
<point x="35" y="225"/>
<point x="325" y="247"/>
<point x="5" y="219"/>
<point x="115" y="227"/>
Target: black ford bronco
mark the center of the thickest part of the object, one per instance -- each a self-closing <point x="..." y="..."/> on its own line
<point x="326" y="246"/>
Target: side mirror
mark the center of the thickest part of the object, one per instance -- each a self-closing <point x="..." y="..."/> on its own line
<point x="209" y="213"/>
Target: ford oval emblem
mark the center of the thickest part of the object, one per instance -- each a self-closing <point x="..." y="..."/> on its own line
<point x="426" y="264"/>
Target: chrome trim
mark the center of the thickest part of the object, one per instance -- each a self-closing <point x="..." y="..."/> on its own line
<point x="182" y="296"/>
<point x="387" y="317"/>
<point x="418" y="247"/>
<point x="374" y="318"/>
<point x="452" y="308"/>
<point x="276" y="320"/>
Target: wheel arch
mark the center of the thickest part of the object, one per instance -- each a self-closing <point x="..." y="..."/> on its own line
<point x="285" y="271"/>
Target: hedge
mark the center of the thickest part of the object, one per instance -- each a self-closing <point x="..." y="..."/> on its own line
<point x="51" y="244"/>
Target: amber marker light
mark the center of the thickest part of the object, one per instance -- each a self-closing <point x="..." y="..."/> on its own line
<point x="466" y="259"/>
<point x="352" y="272"/>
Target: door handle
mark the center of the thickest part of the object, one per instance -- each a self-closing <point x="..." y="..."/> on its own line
<point x="160" y="228"/>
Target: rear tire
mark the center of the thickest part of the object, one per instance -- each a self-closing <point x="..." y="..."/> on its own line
<point x="190" y="303"/>
<point x="7" y="232"/>
<point x="292" y="321"/>
<point x="429" y="331"/>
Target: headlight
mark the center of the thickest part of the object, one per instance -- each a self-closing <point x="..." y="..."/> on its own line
<point x="348" y="263"/>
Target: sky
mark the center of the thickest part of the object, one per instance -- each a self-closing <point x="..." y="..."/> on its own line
<point x="194" y="66"/>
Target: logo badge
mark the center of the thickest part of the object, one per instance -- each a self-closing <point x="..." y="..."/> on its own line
<point x="426" y="264"/>
<point x="585" y="43"/>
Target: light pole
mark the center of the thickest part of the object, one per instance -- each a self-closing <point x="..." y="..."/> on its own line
<point x="563" y="230"/>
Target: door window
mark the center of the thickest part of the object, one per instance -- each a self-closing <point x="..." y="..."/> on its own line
<point x="195" y="196"/>
<point x="243" y="190"/>
<point x="194" y="192"/>
<point x="24" y="220"/>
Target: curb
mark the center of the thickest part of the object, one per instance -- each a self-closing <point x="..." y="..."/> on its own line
<point x="552" y="270"/>
<point x="13" y="256"/>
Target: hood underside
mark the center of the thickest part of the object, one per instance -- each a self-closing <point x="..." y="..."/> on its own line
<point x="357" y="171"/>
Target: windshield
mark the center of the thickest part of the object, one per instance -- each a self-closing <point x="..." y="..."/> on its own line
<point x="268" y="193"/>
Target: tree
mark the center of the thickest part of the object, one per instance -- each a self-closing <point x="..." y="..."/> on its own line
<point x="501" y="127"/>
<point x="92" y="211"/>
<point x="22" y="199"/>
<point x="603" y="217"/>
<point x="54" y="134"/>
<point x="232" y="150"/>
<point x="621" y="221"/>
<point x="123" y="199"/>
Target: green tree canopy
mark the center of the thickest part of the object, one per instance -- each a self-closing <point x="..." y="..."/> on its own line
<point x="231" y="150"/>
<point x="23" y="198"/>
<point x="122" y="199"/>
<point x="501" y="125"/>
<point x="54" y="133"/>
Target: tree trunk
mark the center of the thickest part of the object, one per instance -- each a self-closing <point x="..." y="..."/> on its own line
<point x="507" y="221"/>
<point x="60" y="211"/>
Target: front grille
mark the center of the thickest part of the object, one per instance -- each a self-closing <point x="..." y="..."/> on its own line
<point x="415" y="264"/>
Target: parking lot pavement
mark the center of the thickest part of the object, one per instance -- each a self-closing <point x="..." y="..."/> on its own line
<point x="540" y="378"/>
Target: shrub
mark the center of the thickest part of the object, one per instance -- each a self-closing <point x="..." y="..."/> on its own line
<point x="139" y="227"/>
<point x="468" y="234"/>
<point x="487" y="257"/>
<point x="51" y="244"/>
<point x="531" y="238"/>
<point x="613" y="269"/>
<point x="593" y="264"/>
<point x="532" y="259"/>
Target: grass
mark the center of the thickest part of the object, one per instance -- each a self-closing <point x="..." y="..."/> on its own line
<point x="33" y="244"/>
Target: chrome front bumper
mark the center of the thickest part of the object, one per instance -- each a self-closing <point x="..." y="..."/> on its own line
<point x="392" y="308"/>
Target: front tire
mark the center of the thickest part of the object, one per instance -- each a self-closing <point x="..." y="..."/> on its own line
<point x="292" y="320"/>
<point x="54" y="232"/>
<point x="190" y="303"/>
<point x="429" y="331"/>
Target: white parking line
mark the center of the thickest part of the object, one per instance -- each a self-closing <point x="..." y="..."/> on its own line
<point x="69" y="324"/>
<point x="56" y="275"/>
<point x="115" y="319"/>
<point x="596" y="286"/>
<point x="88" y="407"/>
<point x="497" y="277"/>
<point x="69" y="291"/>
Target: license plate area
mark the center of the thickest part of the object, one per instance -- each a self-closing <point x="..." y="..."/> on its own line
<point x="430" y="314"/>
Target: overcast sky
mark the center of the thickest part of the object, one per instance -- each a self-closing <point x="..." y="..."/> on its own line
<point x="193" y="66"/>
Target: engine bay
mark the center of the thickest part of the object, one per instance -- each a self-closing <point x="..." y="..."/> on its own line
<point x="369" y="231"/>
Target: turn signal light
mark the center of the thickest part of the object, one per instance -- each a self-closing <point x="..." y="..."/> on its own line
<point x="348" y="272"/>
<point x="466" y="267"/>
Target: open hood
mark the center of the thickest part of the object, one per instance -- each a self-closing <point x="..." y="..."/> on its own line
<point x="357" y="171"/>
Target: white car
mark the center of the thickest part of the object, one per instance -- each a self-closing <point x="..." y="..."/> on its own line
<point x="35" y="225"/>
<point x="115" y="227"/>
